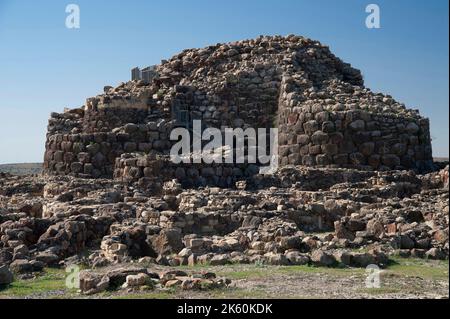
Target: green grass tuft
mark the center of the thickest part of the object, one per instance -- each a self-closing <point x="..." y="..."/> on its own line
<point x="50" y="281"/>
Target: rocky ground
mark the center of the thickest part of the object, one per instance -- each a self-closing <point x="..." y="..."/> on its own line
<point x="302" y="232"/>
<point x="21" y="169"/>
<point x="404" y="278"/>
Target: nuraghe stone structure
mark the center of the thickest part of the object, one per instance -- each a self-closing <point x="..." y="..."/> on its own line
<point x="325" y="115"/>
<point x="349" y="193"/>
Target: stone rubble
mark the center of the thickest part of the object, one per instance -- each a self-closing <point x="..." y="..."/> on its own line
<point x="139" y="279"/>
<point x="356" y="182"/>
<point x="298" y="216"/>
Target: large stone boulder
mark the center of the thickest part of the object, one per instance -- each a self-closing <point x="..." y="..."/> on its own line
<point x="169" y="241"/>
<point x="6" y="276"/>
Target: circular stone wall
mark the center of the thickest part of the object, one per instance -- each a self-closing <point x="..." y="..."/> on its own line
<point x="323" y="131"/>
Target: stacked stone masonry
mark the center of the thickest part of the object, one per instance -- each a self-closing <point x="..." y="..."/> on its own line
<point x="150" y="170"/>
<point x="324" y="113"/>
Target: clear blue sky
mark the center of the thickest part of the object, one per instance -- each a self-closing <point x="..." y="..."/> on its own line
<point x="45" y="67"/>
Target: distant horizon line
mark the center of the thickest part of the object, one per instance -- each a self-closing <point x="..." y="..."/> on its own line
<point x="436" y="158"/>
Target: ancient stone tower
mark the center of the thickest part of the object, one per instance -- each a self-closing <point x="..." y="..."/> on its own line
<point x="325" y="115"/>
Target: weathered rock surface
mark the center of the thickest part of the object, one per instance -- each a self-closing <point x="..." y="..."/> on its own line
<point x="92" y="282"/>
<point x="6" y="276"/>
<point x="297" y="216"/>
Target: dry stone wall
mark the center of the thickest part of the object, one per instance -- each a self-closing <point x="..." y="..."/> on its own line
<point x="152" y="170"/>
<point x="325" y="115"/>
<point x="95" y="154"/>
<point x="328" y="130"/>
